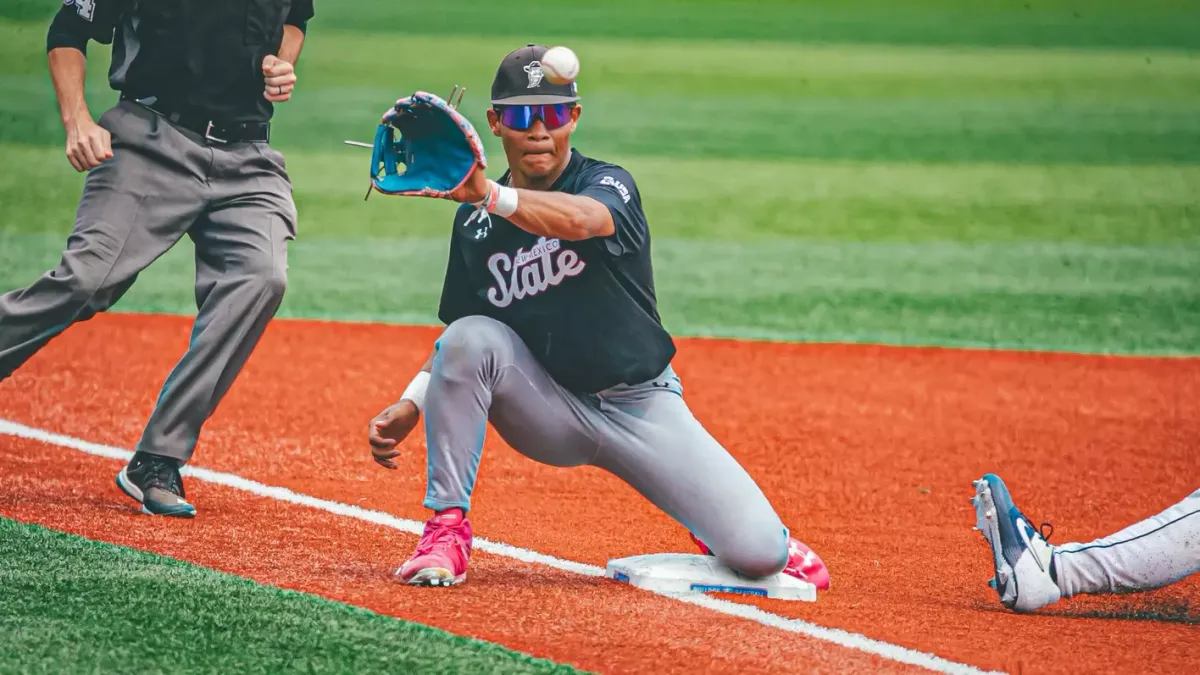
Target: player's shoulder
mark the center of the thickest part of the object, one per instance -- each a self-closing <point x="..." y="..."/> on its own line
<point x="596" y="167"/>
<point x="609" y="174"/>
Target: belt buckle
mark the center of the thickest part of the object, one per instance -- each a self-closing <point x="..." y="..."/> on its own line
<point x="209" y="137"/>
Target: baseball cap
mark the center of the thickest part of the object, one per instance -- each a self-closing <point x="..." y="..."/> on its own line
<point x="519" y="80"/>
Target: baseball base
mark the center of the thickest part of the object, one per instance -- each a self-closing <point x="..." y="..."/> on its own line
<point x="681" y="573"/>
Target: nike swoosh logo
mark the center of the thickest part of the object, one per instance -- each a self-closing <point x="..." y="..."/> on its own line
<point x="1024" y="528"/>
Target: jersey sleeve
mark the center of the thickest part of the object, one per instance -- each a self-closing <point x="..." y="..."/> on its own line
<point x="458" y="293"/>
<point x="299" y="14"/>
<point x="614" y="187"/>
<point x="79" y="21"/>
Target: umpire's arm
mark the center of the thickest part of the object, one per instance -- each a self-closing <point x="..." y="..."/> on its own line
<point x="88" y="144"/>
<point x="279" y="76"/>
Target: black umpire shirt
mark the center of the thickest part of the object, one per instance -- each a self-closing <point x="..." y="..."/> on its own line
<point x="202" y="56"/>
<point x="586" y="309"/>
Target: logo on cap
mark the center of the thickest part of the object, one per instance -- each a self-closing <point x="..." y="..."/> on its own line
<point x="534" y="68"/>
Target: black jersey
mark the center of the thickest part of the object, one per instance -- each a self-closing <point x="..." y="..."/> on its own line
<point x="202" y="55"/>
<point x="586" y="309"/>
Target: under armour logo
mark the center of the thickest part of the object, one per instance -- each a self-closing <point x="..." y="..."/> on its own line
<point x="795" y="549"/>
<point x="534" y="69"/>
<point x="485" y="220"/>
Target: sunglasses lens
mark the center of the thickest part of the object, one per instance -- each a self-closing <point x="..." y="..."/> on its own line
<point x="556" y="115"/>
<point x="520" y="117"/>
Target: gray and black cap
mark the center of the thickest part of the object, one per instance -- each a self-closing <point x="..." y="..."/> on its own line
<point x="519" y="80"/>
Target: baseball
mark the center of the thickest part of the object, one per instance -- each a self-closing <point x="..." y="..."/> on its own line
<point x="560" y="65"/>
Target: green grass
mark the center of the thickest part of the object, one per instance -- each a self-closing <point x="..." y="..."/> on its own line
<point x="1062" y="297"/>
<point x="719" y="101"/>
<point x="1017" y="174"/>
<point x="68" y="604"/>
<point x="1042" y="23"/>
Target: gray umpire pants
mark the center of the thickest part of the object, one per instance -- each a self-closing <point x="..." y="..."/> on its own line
<point x="164" y="182"/>
<point x="643" y="433"/>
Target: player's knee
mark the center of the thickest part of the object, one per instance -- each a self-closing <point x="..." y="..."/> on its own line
<point x="470" y="342"/>
<point x="756" y="555"/>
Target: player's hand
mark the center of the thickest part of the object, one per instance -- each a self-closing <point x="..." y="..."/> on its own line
<point x="279" y="78"/>
<point x="88" y="144"/>
<point x="474" y="190"/>
<point x="390" y="427"/>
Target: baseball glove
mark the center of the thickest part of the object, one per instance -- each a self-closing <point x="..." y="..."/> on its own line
<point x="437" y="147"/>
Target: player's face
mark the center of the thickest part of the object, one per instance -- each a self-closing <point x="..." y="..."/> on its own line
<point x="538" y="150"/>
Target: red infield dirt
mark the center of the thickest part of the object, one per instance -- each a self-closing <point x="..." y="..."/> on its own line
<point x="867" y="452"/>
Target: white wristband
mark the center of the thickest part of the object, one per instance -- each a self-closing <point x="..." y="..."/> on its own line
<point x="502" y="200"/>
<point x="416" y="390"/>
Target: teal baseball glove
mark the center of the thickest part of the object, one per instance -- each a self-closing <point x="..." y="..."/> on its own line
<point x="437" y="146"/>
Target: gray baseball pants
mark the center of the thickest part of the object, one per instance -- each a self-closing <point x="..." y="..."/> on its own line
<point x="642" y="433"/>
<point x="1149" y="554"/>
<point x="234" y="201"/>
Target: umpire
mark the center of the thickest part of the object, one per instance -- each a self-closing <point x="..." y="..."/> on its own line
<point x="184" y="152"/>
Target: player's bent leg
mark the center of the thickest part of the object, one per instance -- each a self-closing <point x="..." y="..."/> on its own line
<point x="482" y="371"/>
<point x="662" y="451"/>
<point x="1149" y="554"/>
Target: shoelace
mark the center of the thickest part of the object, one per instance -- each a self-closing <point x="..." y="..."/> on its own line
<point x="1042" y="531"/>
<point x="163" y="476"/>
<point x="444" y="535"/>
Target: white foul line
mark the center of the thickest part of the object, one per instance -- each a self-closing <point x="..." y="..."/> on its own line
<point x="836" y="636"/>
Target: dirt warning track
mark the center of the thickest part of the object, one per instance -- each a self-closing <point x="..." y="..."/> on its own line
<point x="867" y="452"/>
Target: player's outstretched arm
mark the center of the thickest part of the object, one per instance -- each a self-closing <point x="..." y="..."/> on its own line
<point x="555" y="215"/>
<point x="396" y="422"/>
<point x="560" y="215"/>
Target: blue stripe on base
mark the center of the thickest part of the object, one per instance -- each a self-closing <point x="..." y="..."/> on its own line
<point x="744" y="590"/>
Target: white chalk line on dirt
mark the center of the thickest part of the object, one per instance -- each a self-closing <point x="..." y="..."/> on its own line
<point x="836" y="636"/>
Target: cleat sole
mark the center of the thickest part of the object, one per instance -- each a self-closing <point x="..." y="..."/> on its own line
<point x="435" y="576"/>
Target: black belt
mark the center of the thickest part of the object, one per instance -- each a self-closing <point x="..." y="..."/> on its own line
<point x="212" y="131"/>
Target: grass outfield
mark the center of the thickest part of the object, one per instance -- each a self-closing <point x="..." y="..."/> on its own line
<point x="68" y="604"/>
<point x="918" y="176"/>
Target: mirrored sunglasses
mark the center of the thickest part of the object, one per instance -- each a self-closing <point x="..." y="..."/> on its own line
<point x="521" y="117"/>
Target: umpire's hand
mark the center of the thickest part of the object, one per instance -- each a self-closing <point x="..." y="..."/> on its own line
<point x="389" y="428"/>
<point x="279" y="78"/>
<point x="88" y="144"/>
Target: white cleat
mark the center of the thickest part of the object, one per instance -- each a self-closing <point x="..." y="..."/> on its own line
<point x="1021" y="555"/>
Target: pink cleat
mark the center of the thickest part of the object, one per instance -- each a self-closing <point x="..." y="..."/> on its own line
<point x="442" y="554"/>
<point x="806" y="565"/>
<point x="803" y="562"/>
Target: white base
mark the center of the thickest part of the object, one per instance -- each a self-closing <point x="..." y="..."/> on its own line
<point x="685" y="573"/>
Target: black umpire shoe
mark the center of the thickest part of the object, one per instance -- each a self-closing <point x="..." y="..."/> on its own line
<point x="154" y="481"/>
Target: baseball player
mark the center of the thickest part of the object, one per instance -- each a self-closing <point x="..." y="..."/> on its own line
<point x="184" y="152"/>
<point x="553" y="336"/>
<point x="1031" y="573"/>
